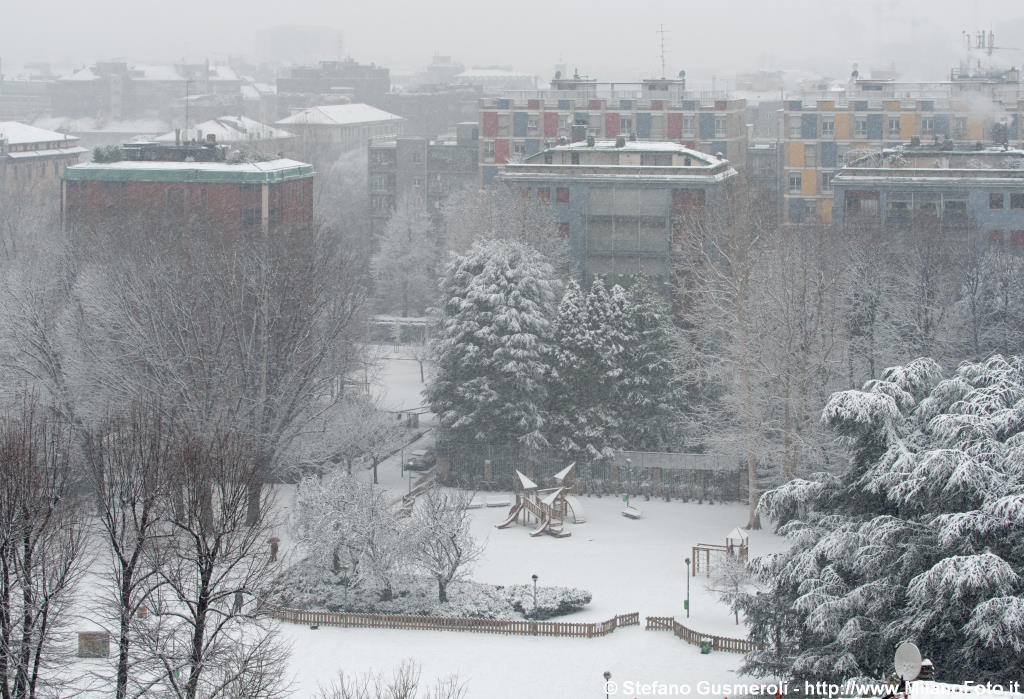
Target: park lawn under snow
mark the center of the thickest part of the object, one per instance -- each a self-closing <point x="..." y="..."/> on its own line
<point x="628" y="565"/>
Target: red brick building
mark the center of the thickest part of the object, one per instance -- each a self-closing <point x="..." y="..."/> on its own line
<point x="230" y="198"/>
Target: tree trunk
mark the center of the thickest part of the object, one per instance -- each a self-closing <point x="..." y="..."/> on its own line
<point x="442" y="590"/>
<point x="375" y="470"/>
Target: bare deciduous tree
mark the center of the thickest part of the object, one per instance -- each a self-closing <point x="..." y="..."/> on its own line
<point x="445" y="548"/>
<point x="403" y="684"/>
<point x="42" y="542"/>
<point x="255" y="334"/>
<point x="128" y="462"/>
<point x="208" y="636"/>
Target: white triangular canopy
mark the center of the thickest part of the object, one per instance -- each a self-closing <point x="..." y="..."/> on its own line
<point x="737" y="534"/>
<point x="525" y="482"/>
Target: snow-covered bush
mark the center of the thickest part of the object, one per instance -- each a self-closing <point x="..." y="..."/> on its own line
<point x="917" y="540"/>
<point x="309" y="585"/>
<point x="551" y="601"/>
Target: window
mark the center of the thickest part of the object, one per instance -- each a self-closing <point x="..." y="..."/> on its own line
<point x="503" y="125"/>
<point x="574" y="158"/>
<point x="489" y="151"/>
<point x="417" y="157"/>
<point x="563" y="230"/>
<point x="826" y="181"/>
<point x="689" y="125"/>
<point x="960" y="127"/>
<point x="417" y="181"/>
<point x="795" y="182"/>
<point x="544" y="194"/>
<point x="810" y="210"/>
<point x="380" y="203"/>
<point x="250" y="217"/>
<point x="1017" y="201"/>
<point x="995" y="201"/>
<point x="828" y="126"/>
<point x="894" y="126"/>
<point x="721" y="126"/>
<point x="379" y="182"/>
<point x="563" y="122"/>
<point x="531" y="125"/>
<point x="1017" y="238"/>
<point x="626" y="124"/>
<point x="860" y="126"/>
<point x="927" y="126"/>
<point x="562" y="195"/>
<point x="810" y="155"/>
<point x="794" y="126"/>
<point x="995" y="238"/>
<point x="518" y="148"/>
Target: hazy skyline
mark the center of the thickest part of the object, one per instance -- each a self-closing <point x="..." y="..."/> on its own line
<point x="617" y="41"/>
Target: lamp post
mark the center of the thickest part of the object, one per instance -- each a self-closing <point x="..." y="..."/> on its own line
<point x="687" y="561"/>
<point x="534" y="597"/>
<point x="607" y="679"/>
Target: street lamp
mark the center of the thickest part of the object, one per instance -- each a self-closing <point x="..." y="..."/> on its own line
<point x="607" y="679"/>
<point x="535" y="597"/>
<point x="687" y="561"/>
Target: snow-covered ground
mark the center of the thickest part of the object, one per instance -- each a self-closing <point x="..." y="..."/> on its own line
<point x="628" y="565"/>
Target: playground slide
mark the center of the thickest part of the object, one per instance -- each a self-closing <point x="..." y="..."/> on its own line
<point x="542" y="528"/>
<point x="512" y="514"/>
<point x="576" y="508"/>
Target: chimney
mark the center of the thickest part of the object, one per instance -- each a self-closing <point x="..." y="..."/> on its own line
<point x="177" y="137"/>
<point x="590" y="141"/>
<point x="199" y="136"/>
<point x="620" y="141"/>
<point x="211" y="139"/>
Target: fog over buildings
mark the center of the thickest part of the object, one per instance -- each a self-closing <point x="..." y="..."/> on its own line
<point x="615" y="40"/>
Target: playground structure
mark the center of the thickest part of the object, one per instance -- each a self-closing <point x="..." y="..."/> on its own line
<point x="548" y="508"/>
<point x="737" y="545"/>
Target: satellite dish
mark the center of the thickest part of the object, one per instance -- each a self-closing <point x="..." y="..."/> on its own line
<point x="908" y="661"/>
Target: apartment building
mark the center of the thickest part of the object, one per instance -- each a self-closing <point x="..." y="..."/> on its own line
<point x="975" y="194"/>
<point x="428" y="169"/>
<point x="820" y="133"/>
<point x="523" y="123"/>
<point x="622" y="204"/>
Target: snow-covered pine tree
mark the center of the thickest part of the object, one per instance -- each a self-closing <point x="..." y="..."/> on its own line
<point x="586" y="367"/>
<point x="649" y="390"/>
<point x="917" y="540"/>
<point x="492" y="347"/>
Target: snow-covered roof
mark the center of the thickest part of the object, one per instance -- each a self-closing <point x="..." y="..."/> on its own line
<point x="156" y="72"/>
<point x="164" y="171"/>
<point x="550" y="499"/>
<point x="634" y="146"/>
<point x="491" y="73"/>
<point x="16" y="132"/>
<point x="525" y="482"/>
<point x="560" y="476"/>
<point x="339" y="114"/>
<point x="222" y="72"/>
<point x="48" y="153"/>
<point x="737" y="534"/>
<point x="229" y="129"/>
<point x="91" y="125"/>
<point x="82" y="74"/>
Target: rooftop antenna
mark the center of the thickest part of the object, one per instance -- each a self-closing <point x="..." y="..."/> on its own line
<point x="661" y="31"/>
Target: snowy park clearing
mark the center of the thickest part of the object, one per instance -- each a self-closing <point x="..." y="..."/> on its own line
<point x="629" y="566"/>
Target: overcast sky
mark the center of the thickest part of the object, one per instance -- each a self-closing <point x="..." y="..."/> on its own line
<point x="603" y="38"/>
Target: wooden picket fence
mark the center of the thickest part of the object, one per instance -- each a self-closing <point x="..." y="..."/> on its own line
<point x="724" y="643"/>
<point x="431" y="623"/>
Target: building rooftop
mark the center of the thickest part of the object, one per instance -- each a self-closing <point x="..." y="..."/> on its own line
<point x="638" y="146"/>
<point x="268" y="171"/>
<point x="228" y="129"/>
<point x="339" y="115"/>
<point x="17" y="133"/>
